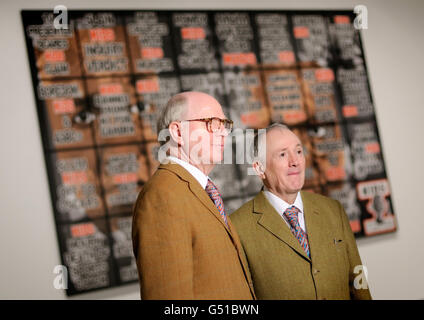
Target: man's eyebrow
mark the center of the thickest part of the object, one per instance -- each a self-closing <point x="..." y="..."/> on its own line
<point x="285" y="148"/>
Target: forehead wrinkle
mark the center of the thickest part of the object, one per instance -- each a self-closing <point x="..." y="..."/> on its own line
<point x="278" y="148"/>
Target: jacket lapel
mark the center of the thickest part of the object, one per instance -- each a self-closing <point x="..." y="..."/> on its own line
<point x="196" y="189"/>
<point x="315" y="224"/>
<point x="275" y="224"/>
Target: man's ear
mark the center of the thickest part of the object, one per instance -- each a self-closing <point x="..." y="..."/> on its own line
<point x="259" y="169"/>
<point x="175" y="132"/>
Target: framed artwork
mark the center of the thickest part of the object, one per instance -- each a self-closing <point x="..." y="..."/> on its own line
<point x="100" y="84"/>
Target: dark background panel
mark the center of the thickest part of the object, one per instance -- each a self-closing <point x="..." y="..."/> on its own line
<point x="124" y="170"/>
<point x="274" y="41"/>
<point x="120" y="233"/>
<point x="103" y="44"/>
<point x="365" y="150"/>
<point x="55" y="51"/>
<point x="112" y="102"/>
<point x="150" y="42"/>
<point x="236" y="40"/>
<point x="87" y="255"/>
<point x="77" y="191"/>
<point x="311" y="39"/>
<point x="194" y="45"/>
<point x="376" y="204"/>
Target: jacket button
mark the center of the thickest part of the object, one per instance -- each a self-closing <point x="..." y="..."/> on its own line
<point x="316" y="271"/>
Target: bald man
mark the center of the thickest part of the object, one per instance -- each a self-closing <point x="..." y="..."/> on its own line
<point x="184" y="243"/>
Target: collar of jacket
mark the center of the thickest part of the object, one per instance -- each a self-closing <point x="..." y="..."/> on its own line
<point x="271" y="220"/>
<point x="195" y="188"/>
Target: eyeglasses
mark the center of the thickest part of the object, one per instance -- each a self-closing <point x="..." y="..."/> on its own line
<point x="215" y="124"/>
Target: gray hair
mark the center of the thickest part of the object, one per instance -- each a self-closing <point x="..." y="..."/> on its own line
<point x="260" y="139"/>
<point x="173" y="111"/>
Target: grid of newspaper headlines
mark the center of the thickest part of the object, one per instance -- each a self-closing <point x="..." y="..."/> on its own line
<point x="100" y="85"/>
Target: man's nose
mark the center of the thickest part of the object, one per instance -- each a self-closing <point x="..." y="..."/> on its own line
<point x="223" y="132"/>
<point x="293" y="159"/>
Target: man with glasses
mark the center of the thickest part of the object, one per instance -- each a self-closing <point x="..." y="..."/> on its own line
<point x="184" y="243"/>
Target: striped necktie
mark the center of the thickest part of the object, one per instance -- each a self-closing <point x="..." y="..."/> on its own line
<point x="215" y="196"/>
<point x="292" y="216"/>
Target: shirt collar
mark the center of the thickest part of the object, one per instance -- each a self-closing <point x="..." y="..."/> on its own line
<point x="195" y="172"/>
<point x="279" y="204"/>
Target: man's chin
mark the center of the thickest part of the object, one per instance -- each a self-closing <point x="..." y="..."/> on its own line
<point x="296" y="188"/>
<point x="216" y="161"/>
<point x="217" y="158"/>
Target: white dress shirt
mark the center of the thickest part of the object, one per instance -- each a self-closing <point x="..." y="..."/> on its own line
<point x="195" y="172"/>
<point x="280" y="206"/>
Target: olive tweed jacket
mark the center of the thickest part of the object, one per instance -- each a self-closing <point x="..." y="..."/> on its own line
<point x="279" y="266"/>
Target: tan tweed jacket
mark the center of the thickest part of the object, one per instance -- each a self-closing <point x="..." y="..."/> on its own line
<point x="182" y="246"/>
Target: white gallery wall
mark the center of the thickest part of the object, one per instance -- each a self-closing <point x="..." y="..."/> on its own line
<point x="394" y="50"/>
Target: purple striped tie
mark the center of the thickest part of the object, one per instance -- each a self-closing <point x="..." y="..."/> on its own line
<point x="215" y="196"/>
<point x="292" y="216"/>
